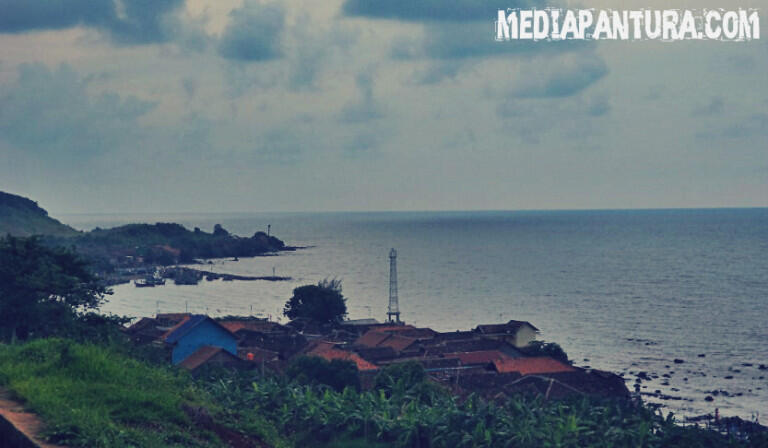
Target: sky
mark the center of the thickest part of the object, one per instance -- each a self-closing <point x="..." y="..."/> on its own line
<point x="144" y="106"/>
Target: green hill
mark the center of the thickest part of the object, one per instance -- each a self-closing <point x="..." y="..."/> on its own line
<point x="20" y="216"/>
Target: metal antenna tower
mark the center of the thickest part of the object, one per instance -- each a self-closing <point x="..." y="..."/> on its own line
<point x="394" y="308"/>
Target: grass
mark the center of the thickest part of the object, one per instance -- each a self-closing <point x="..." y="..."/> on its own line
<point x="93" y="396"/>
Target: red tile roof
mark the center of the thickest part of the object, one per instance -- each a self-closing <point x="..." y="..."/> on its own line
<point x="316" y="347"/>
<point x="175" y="327"/>
<point x="399" y="343"/>
<point x="201" y="356"/>
<point x="372" y="338"/>
<point x="235" y="325"/>
<point x="480" y="357"/>
<point x="332" y="354"/>
<point x="532" y="366"/>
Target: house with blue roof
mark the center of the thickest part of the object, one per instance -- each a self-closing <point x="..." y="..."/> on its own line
<point x="197" y="331"/>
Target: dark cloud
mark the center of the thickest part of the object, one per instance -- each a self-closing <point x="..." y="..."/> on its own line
<point x="126" y="22"/>
<point x="254" y="32"/>
<point x="432" y="10"/>
<point x="49" y="112"/>
<point x="453" y="47"/>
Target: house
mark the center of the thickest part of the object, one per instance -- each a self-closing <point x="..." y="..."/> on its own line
<point x="145" y="331"/>
<point x="208" y="355"/>
<point x="516" y="332"/>
<point x="194" y="332"/>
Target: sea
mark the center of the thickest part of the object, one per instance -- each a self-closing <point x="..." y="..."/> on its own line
<point x="627" y="291"/>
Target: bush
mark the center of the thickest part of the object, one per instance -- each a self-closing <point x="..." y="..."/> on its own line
<point x="336" y="374"/>
<point x="550" y="349"/>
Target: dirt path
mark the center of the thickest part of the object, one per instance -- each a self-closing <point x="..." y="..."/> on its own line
<point x="18" y="427"/>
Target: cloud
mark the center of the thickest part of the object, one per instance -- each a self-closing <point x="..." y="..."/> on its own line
<point x="561" y="77"/>
<point x="254" y="33"/>
<point x="49" y="112"/>
<point x="367" y="108"/>
<point x="431" y="10"/>
<point x="126" y="22"/>
<point x="313" y="50"/>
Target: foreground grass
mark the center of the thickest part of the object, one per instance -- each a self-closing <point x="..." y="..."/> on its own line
<point x="94" y="396"/>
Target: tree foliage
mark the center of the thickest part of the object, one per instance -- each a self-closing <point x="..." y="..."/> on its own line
<point x="43" y="290"/>
<point x="550" y="349"/>
<point x="337" y="374"/>
<point x="322" y="303"/>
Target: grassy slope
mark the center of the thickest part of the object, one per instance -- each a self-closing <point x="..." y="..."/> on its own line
<point x="95" y="397"/>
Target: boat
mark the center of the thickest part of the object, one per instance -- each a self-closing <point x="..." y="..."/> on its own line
<point x="149" y="282"/>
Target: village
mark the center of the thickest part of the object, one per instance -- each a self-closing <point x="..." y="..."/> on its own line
<point x="492" y="360"/>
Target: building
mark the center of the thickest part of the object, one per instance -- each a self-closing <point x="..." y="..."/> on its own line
<point x="207" y="356"/>
<point x="516" y="332"/>
<point x="194" y="332"/>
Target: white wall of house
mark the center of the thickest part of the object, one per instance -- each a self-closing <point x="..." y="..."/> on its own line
<point x="525" y="335"/>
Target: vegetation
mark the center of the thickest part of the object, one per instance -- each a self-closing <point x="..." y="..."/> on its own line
<point x="94" y="396"/>
<point x="550" y="349"/>
<point x="322" y="303"/>
<point x="318" y="416"/>
<point x="167" y="243"/>
<point x="44" y="291"/>
<point x="22" y="217"/>
<point x="337" y="374"/>
<point x="91" y="396"/>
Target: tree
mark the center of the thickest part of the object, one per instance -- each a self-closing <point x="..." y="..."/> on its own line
<point x="322" y="303"/>
<point x="43" y="291"/>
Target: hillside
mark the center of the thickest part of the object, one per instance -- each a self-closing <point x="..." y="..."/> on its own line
<point x="20" y="216"/>
<point x="167" y="244"/>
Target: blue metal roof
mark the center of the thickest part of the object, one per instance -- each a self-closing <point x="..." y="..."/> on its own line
<point x="191" y="323"/>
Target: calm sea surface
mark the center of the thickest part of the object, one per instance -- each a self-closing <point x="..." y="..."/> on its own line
<point x="626" y="291"/>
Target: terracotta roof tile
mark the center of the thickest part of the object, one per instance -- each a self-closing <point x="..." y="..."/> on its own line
<point x="175" y="327"/>
<point x="253" y="325"/>
<point x="372" y="338"/>
<point x="532" y="366"/>
<point x="480" y="357"/>
<point x="200" y="357"/>
<point x="361" y="364"/>
<point x="399" y="343"/>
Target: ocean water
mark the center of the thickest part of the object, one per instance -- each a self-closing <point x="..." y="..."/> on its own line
<point x="625" y="291"/>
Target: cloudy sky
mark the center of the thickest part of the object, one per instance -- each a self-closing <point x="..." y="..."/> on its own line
<point x="249" y="105"/>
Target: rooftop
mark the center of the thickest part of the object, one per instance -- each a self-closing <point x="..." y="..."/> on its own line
<point x="532" y="366"/>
